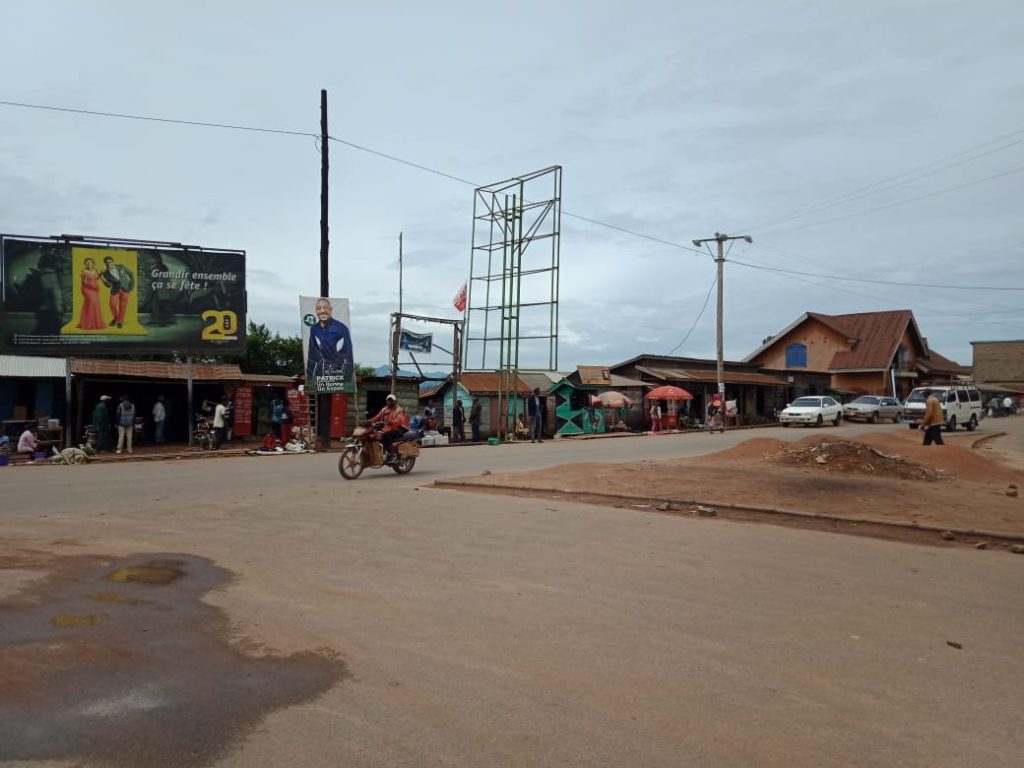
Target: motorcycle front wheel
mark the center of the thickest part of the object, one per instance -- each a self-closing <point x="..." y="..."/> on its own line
<point x="350" y="465"/>
<point x="404" y="465"/>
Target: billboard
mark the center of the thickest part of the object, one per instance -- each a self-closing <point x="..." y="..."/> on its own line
<point x="79" y="297"/>
<point x="416" y="342"/>
<point x="327" y="345"/>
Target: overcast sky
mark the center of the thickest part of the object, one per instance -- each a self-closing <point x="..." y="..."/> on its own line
<point x="674" y="119"/>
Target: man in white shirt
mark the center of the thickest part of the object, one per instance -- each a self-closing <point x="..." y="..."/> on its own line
<point x="1008" y="405"/>
<point x="219" y="423"/>
<point x="159" y="419"/>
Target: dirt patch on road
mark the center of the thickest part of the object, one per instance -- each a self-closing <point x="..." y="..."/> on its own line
<point x="884" y="478"/>
<point x="121" y="662"/>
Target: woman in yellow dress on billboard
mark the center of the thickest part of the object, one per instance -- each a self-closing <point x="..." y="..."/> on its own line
<point x="91" y="318"/>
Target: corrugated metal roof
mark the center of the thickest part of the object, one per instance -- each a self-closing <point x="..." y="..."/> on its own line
<point x="731" y="377"/>
<point x="486" y="383"/>
<point x="267" y="378"/>
<point x="149" y="369"/>
<point x="29" y="367"/>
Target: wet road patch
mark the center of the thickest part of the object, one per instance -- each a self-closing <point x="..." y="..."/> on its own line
<point x="121" y="663"/>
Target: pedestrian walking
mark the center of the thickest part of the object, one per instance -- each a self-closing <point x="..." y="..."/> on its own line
<point x="656" y="417"/>
<point x="536" y="407"/>
<point x="459" y="422"/>
<point x="125" y="423"/>
<point x="933" y="419"/>
<point x="101" y="424"/>
<point x="475" y="414"/>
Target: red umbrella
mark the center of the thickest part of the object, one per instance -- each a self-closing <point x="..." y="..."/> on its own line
<point x="668" y="392"/>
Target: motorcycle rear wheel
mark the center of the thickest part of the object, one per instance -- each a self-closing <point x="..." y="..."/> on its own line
<point x="404" y="465"/>
<point x="350" y="465"/>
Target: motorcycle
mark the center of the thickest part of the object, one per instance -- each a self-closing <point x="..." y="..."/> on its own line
<point x="365" y="451"/>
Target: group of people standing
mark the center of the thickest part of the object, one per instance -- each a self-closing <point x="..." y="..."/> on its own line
<point x="459" y="421"/>
<point x="108" y="421"/>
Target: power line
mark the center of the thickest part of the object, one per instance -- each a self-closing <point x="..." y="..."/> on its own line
<point x="339" y="140"/>
<point x="147" y="118"/>
<point x="879" y="282"/>
<point x="696" y="319"/>
<point x="901" y="202"/>
<point x="791" y="255"/>
<point x="871" y="188"/>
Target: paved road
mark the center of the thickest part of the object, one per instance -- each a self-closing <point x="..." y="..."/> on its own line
<point x="483" y="630"/>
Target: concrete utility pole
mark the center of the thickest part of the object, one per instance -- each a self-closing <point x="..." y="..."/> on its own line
<point x="720" y="261"/>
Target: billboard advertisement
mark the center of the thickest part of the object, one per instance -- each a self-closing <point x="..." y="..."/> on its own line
<point x="70" y="297"/>
<point x="327" y="345"/>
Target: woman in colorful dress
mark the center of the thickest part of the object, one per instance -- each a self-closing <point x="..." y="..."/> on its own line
<point x="91" y="318"/>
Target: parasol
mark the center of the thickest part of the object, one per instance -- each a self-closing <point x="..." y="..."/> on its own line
<point x="668" y="392"/>
<point x="610" y="399"/>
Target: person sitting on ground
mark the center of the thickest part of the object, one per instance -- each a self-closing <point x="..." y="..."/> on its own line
<point x="269" y="442"/>
<point x="28" y="443"/>
<point x="5" y="442"/>
<point x="522" y="431"/>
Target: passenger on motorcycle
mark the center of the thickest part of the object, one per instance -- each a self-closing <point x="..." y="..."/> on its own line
<point x="393" y="420"/>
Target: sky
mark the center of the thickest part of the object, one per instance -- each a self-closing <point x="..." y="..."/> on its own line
<point x="854" y="142"/>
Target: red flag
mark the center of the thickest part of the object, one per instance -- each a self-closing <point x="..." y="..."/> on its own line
<point x="460" y="299"/>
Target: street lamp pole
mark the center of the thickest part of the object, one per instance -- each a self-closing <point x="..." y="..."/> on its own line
<point x="720" y="262"/>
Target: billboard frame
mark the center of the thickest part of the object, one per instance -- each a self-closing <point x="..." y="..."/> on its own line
<point x="224" y="334"/>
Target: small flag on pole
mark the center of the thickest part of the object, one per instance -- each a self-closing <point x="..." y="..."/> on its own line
<point x="460" y="299"/>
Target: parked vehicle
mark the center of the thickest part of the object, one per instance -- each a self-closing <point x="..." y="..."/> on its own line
<point x="811" y="410"/>
<point x="872" y="408"/>
<point x="961" y="406"/>
<point x="365" y="451"/>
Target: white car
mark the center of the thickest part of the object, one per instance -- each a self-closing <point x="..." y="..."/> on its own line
<point x="811" y="410"/>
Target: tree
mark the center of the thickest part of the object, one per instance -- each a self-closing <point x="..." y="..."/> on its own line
<point x="364" y="370"/>
<point x="271" y="353"/>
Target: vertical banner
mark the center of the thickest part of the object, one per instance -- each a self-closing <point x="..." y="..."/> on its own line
<point x="327" y="345"/>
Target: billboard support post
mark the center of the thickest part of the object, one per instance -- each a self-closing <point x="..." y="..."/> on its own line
<point x="191" y="411"/>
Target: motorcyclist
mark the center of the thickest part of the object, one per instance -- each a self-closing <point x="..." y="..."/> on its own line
<point x="393" y="421"/>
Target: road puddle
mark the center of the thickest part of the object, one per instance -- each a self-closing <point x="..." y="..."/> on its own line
<point x="156" y="679"/>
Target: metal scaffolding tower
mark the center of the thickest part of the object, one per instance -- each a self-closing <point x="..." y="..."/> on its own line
<point x="512" y="301"/>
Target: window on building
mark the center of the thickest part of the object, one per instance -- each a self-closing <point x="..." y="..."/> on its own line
<point x="902" y="359"/>
<point x="796" y="356"/>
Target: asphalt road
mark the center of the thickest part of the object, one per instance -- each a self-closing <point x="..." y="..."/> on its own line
<point x="488" y="630"/>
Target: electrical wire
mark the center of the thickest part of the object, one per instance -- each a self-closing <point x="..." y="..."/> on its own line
<point x="879" y="282"/>
<point x="147" y="118"/>
<point x="870" y="189"/>
<point x="338" y="140"/>
<point x="696" y="319"/>
<point x="790" y="255"/>
<point x="897" y="203"/>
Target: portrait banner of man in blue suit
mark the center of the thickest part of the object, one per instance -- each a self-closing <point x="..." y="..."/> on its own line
<point x="327" y="345"/>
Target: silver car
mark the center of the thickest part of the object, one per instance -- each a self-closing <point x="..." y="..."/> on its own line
<point x="871" y="408"/>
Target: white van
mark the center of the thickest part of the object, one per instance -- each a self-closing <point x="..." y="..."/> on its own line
<point x="961" y="406"/>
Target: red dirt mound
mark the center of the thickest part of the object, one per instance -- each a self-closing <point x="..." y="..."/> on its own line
<point x="829" y="455"/>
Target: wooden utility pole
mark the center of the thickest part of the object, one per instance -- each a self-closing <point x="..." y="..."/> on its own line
<point x="720" y="261"/>
<point x="323" y="401"/>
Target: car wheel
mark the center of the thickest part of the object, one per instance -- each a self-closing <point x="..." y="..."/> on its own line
<point x="951" y="424"/>
<point x="897" y="418"/>
<point x="973" y="423"/>
<point x="838" y="420"/>
<point x="873" y="418"/>
<point x="820" y="421"/>
<point x="785" y="423"/>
